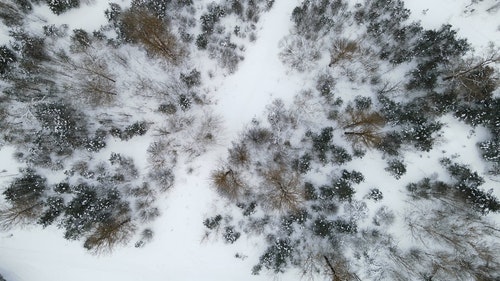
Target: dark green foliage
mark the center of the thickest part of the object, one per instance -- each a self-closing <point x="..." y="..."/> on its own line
<point x="440" y="46"/>
<point x="396" y="168"/>
<point x="62" y="187"/>
<point x="208" y="20"/>
<point x="322" y="227"/>
<point x="7" y="58"/>
<point x="212" y="223"/>
<point x="303" y="164"/>
<point x="192" y="79"/>
<point x="184" y="102"/>
<point x="202" y="41"/>
<point x="247" y="209"/>
<point x="339" y="155"/>
<point x="391" y="143"/>
<point x="299" y="218"/>
<point x="24" y="5"/>
<point x="54" y="206"/>
<point x="136" y="129"/>
<point x="321" y="143"/>
<point x="344" y="226"/>
<point x="30" y="47"/>
<point x="97" y="142"/>
<point x="27" y="189"/>
<point x="421" y="135"/>
<point x="63" y="128"/>
<point x="424" y="77"/>
<point x="490" y="151"/>
<point x="416" y="122"/>
<point x="483" y="112"/>
<point x="375" y="194"/>
<point x="113" y="13"/>
<point x="237" y="7"/>
<point x="168" y="108"/>
<point x="314" y="18"/>
<point x="276" y="258"/>
<point x="230" y="235"/>
<point x="467" y="183"/>
<point x="80" y="40"/>
<point x="54" y="31"/>
<point x="310" y="191"/>
<point x="325" y="86"/>
<point x="341" y="187"/>
<point x="89" y="207"/>
<point x="60" y="6"/>
<point x="159" y="8"/>
<point x="426" y="188"/>
<point x="362" y="103"/>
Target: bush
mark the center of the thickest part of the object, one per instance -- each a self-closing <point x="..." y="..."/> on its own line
<point x="230" y="235"/>
<point x="396" y="168"/>
<point x="136" y="129"/>
<point x="193" y="79"/>
<point x="212" y="223"/>
<point x="375" y="194"/>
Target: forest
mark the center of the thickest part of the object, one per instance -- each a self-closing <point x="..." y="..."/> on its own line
<point x="351" y="177"/>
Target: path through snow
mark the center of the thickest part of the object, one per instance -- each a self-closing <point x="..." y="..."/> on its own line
<point x="261" y="77"/>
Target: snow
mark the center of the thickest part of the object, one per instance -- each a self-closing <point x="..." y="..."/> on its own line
<point x="261" y="76"/>
<point x="473" y="21"/>
<point x="178" y="251"/>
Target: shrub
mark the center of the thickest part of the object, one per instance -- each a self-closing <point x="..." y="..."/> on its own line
<point x="375" y="194"/>
<point x="396" y="168"/>
<point x="193" y="79"/>
<point x="230" y="235"/>
<point x="212" y="223"/>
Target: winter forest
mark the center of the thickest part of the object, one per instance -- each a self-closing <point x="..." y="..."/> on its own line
<point x="329" y="140"/>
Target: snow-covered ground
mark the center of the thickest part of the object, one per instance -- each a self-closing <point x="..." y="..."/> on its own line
<point x="178" y="250"/>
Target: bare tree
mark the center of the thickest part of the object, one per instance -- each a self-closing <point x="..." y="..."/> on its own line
<point x="282" y="188"/>
<point x="21" y="213"/>
<point x="110" y="234"/>
<point x="151" y="32"/>
<point x="363" y="127"/>
<point x="228" y="182"/>
<point x="343" y="49"/>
